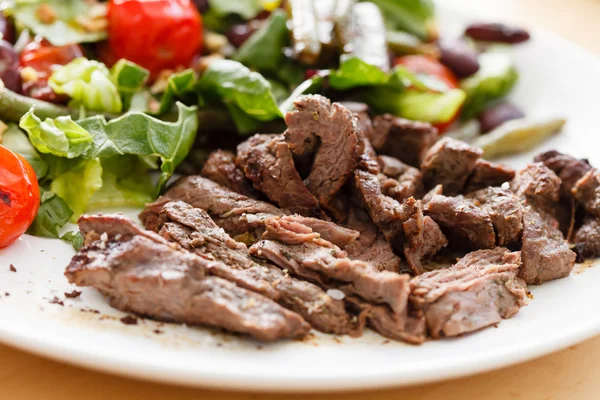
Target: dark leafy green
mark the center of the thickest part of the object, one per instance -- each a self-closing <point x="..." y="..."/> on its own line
<point x="53" y="214"/>
<point x="75" y="238"/>
<point x="413" y="16"/>
<point x="354" y="72"/>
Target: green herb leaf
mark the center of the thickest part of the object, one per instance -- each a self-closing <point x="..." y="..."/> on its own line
<point x="60" y="136"/>
<point x="354" y="72"/>
<point x="263" y="50"/>
<point x="87" y="83"/>
<point x="179" y="85"/>
<point x="65" y="29"/>
<point x="75" y="238"/>
<point x="16" y="140"/>
<point x="53" y="214"/>
<point x="232" y="82"/>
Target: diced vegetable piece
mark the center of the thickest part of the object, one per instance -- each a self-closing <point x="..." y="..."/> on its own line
<point x="365" y="36"/>
<point x="305" y="34"/>
<point x="517" y="135"/>
<point x="496" y="77"/>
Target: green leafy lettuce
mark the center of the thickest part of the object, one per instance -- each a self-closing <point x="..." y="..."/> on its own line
<point x="129" y="78"/>
<point x="496" y="77"/>
<point x="14" y="139"/>
<point x="66" y="29"/>
<point x="87" y="83"/>
<point x="413" y="16"/>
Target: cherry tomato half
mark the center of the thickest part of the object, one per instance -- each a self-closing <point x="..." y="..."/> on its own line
<point x="19" y="196"/>
<point x="44" y="58"/>
<point x="429" y="67"/>
<point x="158" y="34"/>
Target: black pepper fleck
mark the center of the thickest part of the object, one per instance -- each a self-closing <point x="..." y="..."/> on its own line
<point x="56" y="300"/>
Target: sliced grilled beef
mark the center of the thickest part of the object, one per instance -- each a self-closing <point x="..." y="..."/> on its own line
<point x="587" y="192"/>
<point x="268" y="163"/>
<point x="587" y="238"/>
<point x="478" y="291"/>
<point x="303" y="252"/>
<point x="193" y="229"/>
<point x="505" y="211"/>
<point x="487" y="174"/>
<point x="424" y="239"/>
<point x="371" y="246"/>
<point x="387" y="214"/>
<point x="330" y="131"/>
<point x="399" y="181"/>
<point x="387" y="323"/>
<point x="154" y="279"/>
<point x="234" y="212"/>
<point x="401" y="138"/>
<point x="220" y="167"/>
<point x="546" y="254"/>
<point x="466" y="224"/>
<point x="449" y="163"/>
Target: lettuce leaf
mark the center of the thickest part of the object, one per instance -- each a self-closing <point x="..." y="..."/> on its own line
<point x="16" y="140"/>
<point x="179" y="85"/>
<point x="354" y="72"/>
<point x="65" y="29"/>
<point x="413" y="16"/>
<point x="129" y="79"/>
<point x="88" y="83"/>
<point x="60" y="136"/>
<point x="53" y="214"/>
<point x="247" y="9"/>
<point x="77" y="185"/>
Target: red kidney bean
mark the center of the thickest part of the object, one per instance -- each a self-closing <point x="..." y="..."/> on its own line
<point x="7" y="28"/>
<point x="496" y="32"/>
<point x="40" y="90"/>
<point x="9" y="66"/>
<point x="239" y="33"/>
<point x="498" y="114"/>
<point x="459" y="57"/>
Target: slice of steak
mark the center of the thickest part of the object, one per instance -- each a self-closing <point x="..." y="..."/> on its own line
<point x="220" y="167"/>
<point x="480" y="290"/>
<point x="330" y="231"/>
<point x="463" y="221"/>
<point x="424" y="239"/>
<point x="587" y="238"/>
<point x="587" y="192"/>
<point x="371" y="246"/>
<point x="387" y="214"/>
<point x="449" y="163"/>
<point x="334" y="129"/>
<point x="546" y="253"/>
<point x="487" y="174"/>
<point x="399" y="181"/>
<point x="387" y="323"/>
<point x="268" y="163"/>
<point x="296" y="247"/>
<point x="155" y="280"/>
<point x="569" y="169"/>
<point x="505" y="210"/>
<point x="401" y="138"/>
<point x="234" y="212"/>
<point x="193" y="229"/>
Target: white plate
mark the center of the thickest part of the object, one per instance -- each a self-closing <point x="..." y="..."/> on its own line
<point x="557" y="77"/>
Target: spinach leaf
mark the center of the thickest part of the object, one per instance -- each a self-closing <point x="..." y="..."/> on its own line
<point x="65" y="29"/>
<point x="75" y="238"/>
<point x="263" y="51"/>
<point x="53" y="214"/>
<point x="234" y="83"/>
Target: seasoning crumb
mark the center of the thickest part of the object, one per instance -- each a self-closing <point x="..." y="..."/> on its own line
<point x="219" y="344"/>
<point x="6" y="294"/>
<point x="129" y="320"/>
<point x="56" y="300"/>
<point x="259" y="347"/>
<point x="73" y="295"/>
<point x="12" y="268"/>
<point x="337" y="339"/>
<point x="158" y="331"/>
<point x="529" y="295"/>
<point x="385" y="342"/>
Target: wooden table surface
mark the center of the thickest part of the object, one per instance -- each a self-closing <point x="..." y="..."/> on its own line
<point x="572" y="374"/>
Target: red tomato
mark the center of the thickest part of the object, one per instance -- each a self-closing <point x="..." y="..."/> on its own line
<point x="19" y="196"/>
<point x="429" y="66"/>
<point x="158" y="34"/>
<point x="44" y="57"/>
